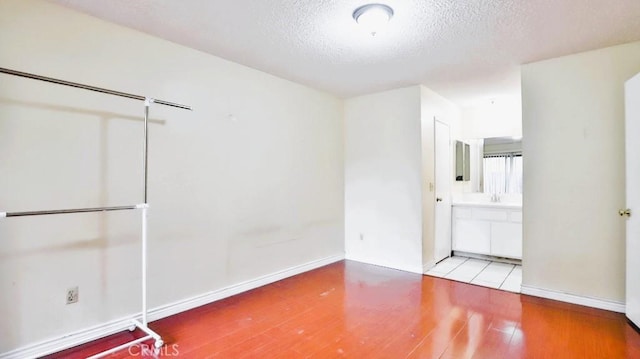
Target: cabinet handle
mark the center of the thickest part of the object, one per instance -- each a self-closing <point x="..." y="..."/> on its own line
<point x="438" y="199"/>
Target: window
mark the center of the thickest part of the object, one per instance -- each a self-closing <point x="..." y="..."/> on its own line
<point x="503" y="173"/>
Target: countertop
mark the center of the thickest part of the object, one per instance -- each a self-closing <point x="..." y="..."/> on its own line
<point x="505" y="205"/>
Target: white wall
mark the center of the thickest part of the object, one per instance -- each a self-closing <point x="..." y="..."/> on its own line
<point x="230" y="200"/>
<point x="573" y="147"/>
<point x="383" y="214"/>
<point x="496" y="117"/>
<point x="389" y="166"/>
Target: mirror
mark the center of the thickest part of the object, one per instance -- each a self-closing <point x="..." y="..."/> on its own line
<point x="463" y="161"/>
<point x="501" y="165"/>
<point x="495" y="160"/>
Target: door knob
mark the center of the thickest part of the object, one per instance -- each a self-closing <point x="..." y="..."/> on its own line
<point x="438" y="199"/>
<point x="625" y="212"/>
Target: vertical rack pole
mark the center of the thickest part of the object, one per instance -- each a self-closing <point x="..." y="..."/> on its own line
<point x="143" y="325"/>
<point x="145" y="149"/>
<point x="145" y="161"/>
<point x="144" y="265"/>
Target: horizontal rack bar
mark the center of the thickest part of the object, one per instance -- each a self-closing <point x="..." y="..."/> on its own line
<point x="90" y="88"/>
<point x="72" y="210"/>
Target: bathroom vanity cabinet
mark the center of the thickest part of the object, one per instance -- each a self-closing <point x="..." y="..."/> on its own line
<point x="487" y="228"/>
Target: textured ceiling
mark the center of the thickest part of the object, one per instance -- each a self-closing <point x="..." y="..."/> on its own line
<point x="463" y="49"/>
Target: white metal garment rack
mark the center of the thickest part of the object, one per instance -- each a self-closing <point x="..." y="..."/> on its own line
<point x="141" y="324"/>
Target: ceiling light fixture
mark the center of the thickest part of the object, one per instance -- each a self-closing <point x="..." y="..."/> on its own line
<point x="373" y="17"/>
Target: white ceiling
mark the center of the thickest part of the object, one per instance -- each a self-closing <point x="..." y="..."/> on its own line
<point x="463" y="49"/>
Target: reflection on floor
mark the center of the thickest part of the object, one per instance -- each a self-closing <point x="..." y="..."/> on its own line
<point x="481" y="272"/>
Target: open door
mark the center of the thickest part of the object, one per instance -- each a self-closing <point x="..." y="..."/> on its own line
<point x="443" y="178"/>
<point x="632" y="210"/>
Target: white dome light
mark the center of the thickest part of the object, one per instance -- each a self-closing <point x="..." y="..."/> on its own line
<point x="373" y="17"/>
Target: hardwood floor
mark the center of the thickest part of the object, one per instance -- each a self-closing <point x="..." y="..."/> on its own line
<point x="355" y="310"/>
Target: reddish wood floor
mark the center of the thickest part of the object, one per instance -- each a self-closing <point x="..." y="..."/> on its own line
<point x="355" y="310"/>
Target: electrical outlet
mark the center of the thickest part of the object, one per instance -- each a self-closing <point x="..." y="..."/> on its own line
<point x="72" y="295"/>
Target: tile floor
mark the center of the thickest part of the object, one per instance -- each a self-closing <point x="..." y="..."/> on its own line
<point x="481" y="272"/>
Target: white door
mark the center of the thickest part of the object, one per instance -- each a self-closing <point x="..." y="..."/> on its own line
<point x="443" y="191"/>
<point x="632" y="129"/>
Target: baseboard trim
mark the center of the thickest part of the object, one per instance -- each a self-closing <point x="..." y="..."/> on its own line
<point x="427" y="266"/>
<point x="598" y="303"/>
<point x="410" y="269"/>
<point x="197" y="301"/>
<point x="71" y="340"/>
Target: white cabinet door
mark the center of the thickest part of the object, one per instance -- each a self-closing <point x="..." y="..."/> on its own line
<point x="472" y="236"/>
<point x="506" y="239"/>
<point x="443" y="192"/>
